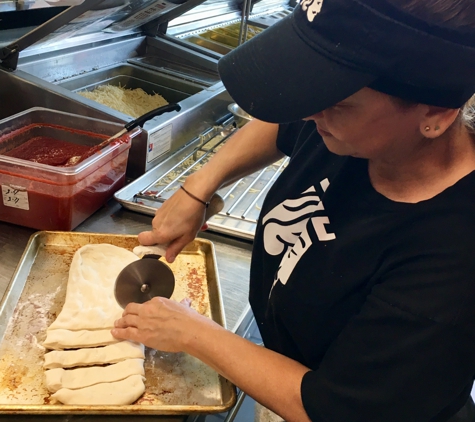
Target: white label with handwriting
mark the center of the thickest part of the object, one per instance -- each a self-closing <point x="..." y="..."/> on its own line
<point x="159" y="143"/>
<point x="15" y="197"/>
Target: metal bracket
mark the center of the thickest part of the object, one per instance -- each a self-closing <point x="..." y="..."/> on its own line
<point x="9" y="56"/>
<point x="246" y="11"/>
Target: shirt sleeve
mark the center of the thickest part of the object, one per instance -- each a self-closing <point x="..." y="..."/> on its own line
<point x="409" y="355"/>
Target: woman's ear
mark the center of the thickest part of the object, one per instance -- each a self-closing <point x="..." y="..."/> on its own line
<point x="437" y="120"/>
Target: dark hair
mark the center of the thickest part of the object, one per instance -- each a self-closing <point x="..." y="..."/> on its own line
<point x="449" y="13"/>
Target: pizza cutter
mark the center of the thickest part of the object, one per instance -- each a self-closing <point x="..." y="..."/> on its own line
<point x="148" y="277"/>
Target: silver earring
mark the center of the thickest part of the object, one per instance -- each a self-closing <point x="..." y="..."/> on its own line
<point x="427" y="128"/>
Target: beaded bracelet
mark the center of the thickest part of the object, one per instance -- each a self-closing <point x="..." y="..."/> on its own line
<point x="206" y="204"/>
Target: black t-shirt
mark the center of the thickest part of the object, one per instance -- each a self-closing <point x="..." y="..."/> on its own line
<point x="376" y="297"/>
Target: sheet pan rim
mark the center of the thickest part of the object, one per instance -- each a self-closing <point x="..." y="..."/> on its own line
<point x="229" y="390"/>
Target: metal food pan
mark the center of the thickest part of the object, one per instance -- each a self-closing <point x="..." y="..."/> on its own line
<point x="209" y="44"/>
<point x="129" y="76"/>
<point x="229" y="35"/>
<point x="236" y="27"/>
<point x="176" y="383"/>
<point x="214" y="35"/>
<point x="234" y="30"/>
<point x="23" y="95"/>
<point x="201" y="76"/>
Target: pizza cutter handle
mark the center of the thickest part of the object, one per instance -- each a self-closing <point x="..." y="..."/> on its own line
<point x="216" y="204"/>
<point x="152" y="256"/>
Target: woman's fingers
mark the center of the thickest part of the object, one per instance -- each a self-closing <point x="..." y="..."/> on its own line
<point x="186" y="301"/>
<point x="160" y="323"/>
<point x="175" y="247"/>
<point x="132" y="309"/>
<point x="175" y="224"/>
<point x="127" y="321"/>
<point x="129" y="333"/>
<point x="147" y="238"/>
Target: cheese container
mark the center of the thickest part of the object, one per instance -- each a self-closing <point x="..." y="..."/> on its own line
<point x="47" y="197"/>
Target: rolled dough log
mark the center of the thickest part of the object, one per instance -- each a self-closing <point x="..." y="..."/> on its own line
<point x="110" y="393"/>
<point x="67" y="339"/>
<point x="85" y="377"/>
<point x="90" y="303"/>
<point x="94" y="356"/>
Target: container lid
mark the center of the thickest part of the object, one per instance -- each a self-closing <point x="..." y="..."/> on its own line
<point x="89" y="16"/>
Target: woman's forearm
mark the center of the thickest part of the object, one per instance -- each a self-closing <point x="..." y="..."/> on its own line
<point x="251" y="148"/>
<point x="270" y="378"/>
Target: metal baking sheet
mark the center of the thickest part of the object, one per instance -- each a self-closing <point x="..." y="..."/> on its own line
<point x="176" y="383"/>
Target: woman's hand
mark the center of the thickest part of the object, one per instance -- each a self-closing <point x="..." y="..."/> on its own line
<point x="163" y="324"/>
<point x="160" y="323"/>
<point x="180" y="218"/>
<point x="176" y="223"/>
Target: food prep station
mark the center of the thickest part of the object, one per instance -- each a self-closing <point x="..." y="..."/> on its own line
<point x="175" y="55"/>
<point x="160" y="57"/>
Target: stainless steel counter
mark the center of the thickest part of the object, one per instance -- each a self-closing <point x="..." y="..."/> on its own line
<point x="233" y="259"/>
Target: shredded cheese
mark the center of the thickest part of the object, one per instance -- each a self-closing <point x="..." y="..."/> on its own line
<point x="133" y="102"/>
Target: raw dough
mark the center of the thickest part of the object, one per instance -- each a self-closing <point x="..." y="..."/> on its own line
<point x="84" y="377"/>
<point x="67" y="339"/>
<point x="108" y="393"/>
<point x="90" y="303"/>
<point x="88" y="314"/>
<point x="94" y="356"/>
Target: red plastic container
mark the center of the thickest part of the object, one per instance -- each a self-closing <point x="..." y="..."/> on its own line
<point x="47" y="197"/>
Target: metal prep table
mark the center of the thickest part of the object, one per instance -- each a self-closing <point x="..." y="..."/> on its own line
<point x="233" y="259"/>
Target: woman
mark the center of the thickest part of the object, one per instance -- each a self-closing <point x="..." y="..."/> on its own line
<point x="362" y="278"/>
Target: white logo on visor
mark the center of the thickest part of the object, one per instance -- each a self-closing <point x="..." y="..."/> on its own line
<point x="312" y="7"/>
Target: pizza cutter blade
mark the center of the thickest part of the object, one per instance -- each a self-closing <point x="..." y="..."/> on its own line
<point x="142" y="280"/>
<point x="148" y="277"/>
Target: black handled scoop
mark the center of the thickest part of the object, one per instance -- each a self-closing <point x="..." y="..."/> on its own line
<point x="148" y="277"/>
<point x="140" y="121"/>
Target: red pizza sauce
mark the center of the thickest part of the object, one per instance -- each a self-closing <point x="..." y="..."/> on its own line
<point x="48" y="151"/>
<point x="64" y="203"/>
<point x="50" y="212"/>
<point x="60" y="210"/>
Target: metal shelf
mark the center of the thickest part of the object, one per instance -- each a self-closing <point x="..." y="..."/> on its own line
<point x="243" y="199"/>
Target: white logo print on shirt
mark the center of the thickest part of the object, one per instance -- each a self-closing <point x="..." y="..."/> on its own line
<point x="312" y="7"/>
<point x="285" y="229"/>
